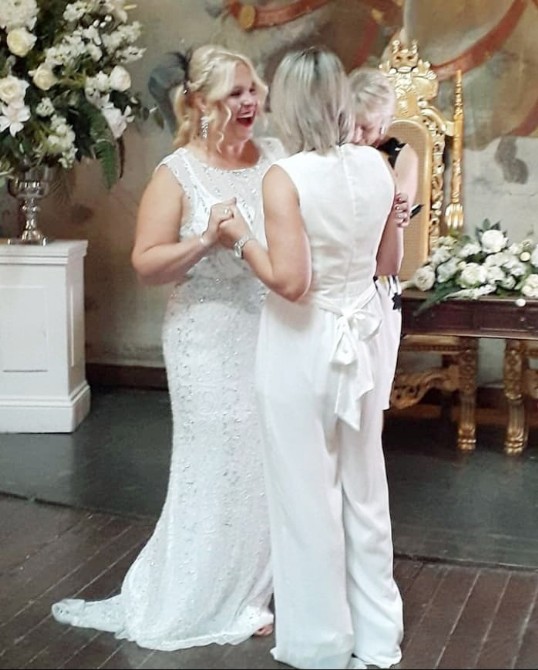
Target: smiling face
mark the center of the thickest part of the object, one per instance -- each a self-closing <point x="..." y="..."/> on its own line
<point x="243" y="103"/>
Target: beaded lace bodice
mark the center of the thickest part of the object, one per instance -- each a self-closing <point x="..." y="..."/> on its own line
<point x="205" y="185"/>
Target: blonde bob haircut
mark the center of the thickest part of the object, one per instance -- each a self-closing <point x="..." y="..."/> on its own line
<point x="373" y="96"/>
<point x="210" y="77"/>
<point x="311" y="101"/>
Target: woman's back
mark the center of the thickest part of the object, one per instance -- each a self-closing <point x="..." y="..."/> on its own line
<point x="345" y="198"/>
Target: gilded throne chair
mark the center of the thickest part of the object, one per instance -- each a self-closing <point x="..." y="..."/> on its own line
<point x="421" y="124"/>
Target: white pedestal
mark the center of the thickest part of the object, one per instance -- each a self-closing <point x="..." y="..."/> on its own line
<point x="43" y="386"/>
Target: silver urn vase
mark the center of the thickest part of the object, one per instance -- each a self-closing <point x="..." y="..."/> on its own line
<point x="29" y="187"/>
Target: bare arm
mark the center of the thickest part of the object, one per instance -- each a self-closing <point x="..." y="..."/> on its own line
<point x="406" y="171"/>
<point x="159" y="256"/>
<point x="390" y="252"/>
<point x="285" y="267"/>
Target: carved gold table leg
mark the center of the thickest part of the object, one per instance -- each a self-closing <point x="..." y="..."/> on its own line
<point x="467" y="364"/>
<point x="515" y="362"/>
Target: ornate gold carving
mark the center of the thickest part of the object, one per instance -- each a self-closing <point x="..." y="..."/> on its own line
<point x="410" y="387"/>
<point x="515" y="366"/>
<point x="413" y="79"/>
<point x="467" y="366"/>
<point x="454" y="211"/>
<point x="416" y="85"/>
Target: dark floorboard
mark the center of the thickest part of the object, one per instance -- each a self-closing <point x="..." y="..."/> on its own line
<point x="465" y="535"/>
<point x="456" y="616"/>
<point x="480" y="507"/>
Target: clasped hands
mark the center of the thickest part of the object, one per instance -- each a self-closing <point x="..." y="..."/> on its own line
<point x="226" y="224"/>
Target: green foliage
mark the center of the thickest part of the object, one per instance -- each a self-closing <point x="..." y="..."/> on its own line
<point x="64" y="91"/>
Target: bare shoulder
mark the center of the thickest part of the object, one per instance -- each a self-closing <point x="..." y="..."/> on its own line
<point x="164" y="181"/>
<point x="277" y="180"/>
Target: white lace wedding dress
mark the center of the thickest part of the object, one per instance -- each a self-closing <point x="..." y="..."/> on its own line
<point x="204" y="576"/>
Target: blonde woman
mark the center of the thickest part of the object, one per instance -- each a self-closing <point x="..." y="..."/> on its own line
<point x="374" y="103"/>
<point x="204" y="575"/>
<point x="319" y="374"/>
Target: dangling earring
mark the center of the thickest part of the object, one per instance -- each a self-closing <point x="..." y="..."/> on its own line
<point x="383" y="130"/>
<point x="204" y="127"/>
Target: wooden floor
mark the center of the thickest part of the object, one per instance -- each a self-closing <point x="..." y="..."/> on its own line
<point x="455" y="616"/>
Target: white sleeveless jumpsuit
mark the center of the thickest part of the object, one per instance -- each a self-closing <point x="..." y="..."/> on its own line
<point x="321" y="398"/>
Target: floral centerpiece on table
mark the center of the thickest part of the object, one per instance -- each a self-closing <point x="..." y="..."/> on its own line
<point x="65" y="93"/>
<point x="472" y="267"/>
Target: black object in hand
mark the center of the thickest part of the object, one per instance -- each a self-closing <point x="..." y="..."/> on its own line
<point x="415" y="210"/>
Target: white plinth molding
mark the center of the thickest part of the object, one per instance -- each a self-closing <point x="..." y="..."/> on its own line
<point x="43" y="386"/>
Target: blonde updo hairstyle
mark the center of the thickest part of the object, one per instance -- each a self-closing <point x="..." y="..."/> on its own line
<point x="311" y="101"/>
<point x="211" y="75"/>
<point x="373" y="96"/>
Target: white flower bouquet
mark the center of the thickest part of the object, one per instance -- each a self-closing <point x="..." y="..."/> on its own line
<point x="64" y="91"/>
<point x="488" y="264"/>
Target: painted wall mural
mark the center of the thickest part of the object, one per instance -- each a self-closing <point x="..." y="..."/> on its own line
<point x="494" y="43"/>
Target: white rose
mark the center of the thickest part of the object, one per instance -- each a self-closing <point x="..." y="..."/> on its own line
<point x="469" y="249"/>
<point x="508" y="282"/>
<point x="525" y="256"/>
<point x="13" y="90"/>
<point x="498" y="259"/>
<point x="441" y="255"/>
<point x="20" y="41"/>
<point x="424" y="278"/>
<point x="493" y="241"/>
<point x="530" y="286"/>
<point x="495" y="274"/>
<point x="514" y="267"/>
<point x="472" y="275"/>
<point x="534" y="257"/>
<point x="43" y="77"/>
<point x="516" y="248"/>
<point x="447" y="270"/>
<point x="120" y="79"/>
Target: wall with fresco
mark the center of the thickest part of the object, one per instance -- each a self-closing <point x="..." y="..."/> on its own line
<point x="494" y="43"/>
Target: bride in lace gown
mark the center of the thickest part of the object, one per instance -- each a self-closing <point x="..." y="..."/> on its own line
<point x="204" y="576"/>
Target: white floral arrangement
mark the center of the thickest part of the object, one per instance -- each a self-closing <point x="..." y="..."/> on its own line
<point x="64" y="91"/>
<point x="488" y="264"/>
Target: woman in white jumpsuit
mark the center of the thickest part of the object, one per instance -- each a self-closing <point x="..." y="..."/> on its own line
<point x="374" y="104"/>
<point x="318" y="375"/>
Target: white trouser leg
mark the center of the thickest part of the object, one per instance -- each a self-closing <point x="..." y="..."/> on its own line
<point x="309" y="465"/>
<point x="376" y="605"/>
<point x="312" y="620"/>
<point x="389" y="335"/>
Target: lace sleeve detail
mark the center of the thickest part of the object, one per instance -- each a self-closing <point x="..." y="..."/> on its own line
<point x="181" y="170"/>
